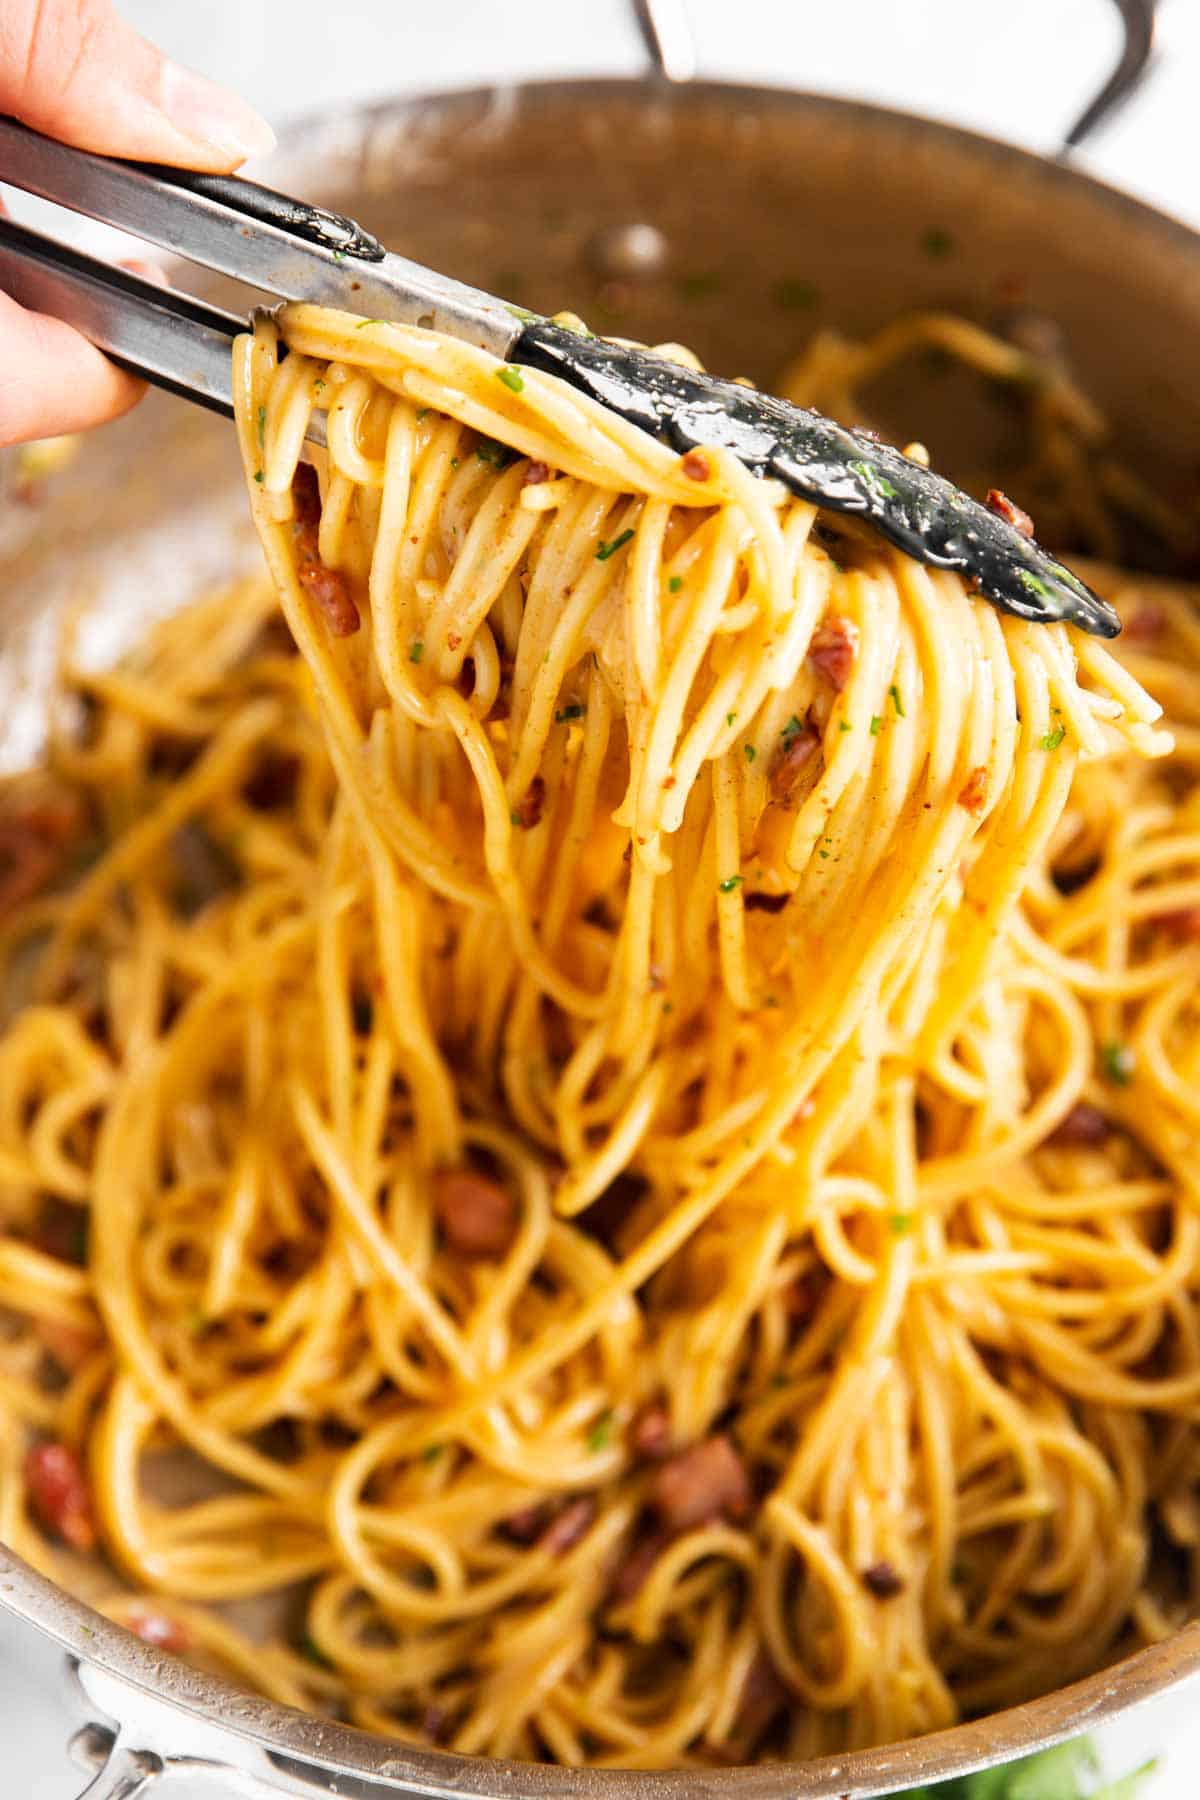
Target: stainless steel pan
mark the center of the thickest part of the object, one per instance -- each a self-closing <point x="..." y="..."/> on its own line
<point x="777" y="211"/>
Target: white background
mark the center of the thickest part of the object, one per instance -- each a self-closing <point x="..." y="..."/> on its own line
<point x="1018" y="69"/>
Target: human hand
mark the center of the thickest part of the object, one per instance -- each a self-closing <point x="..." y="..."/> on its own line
<point x="76" y="71"/>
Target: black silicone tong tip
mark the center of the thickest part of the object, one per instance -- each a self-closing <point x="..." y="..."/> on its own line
<point x="845" y="471"/>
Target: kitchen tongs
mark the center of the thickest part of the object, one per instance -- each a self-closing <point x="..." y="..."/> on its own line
<point x="295" y="251"/>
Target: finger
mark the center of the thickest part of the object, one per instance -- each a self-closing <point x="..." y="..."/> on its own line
<point x="76" y="71"/>
<point x="52" y="380"/>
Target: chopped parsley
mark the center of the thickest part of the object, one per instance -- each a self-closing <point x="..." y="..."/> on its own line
<point x="1054" y="738"/>
<point x="416" y="650"/>
<point x="575" y="710"/>
<point x="730" y="882"/>
<point x="894" y="691"/>
<point x="600" y="1436"/>
<point x="876" y="724"/>
<point x="795" y="295"/>
<point x="262" y="425"/>
<point x="319" y="385"/>
<point x="422" y="414"/>
<point x="431" y="1452"/>
<point x="937" y="243"/>
<point x="609" y="547"/>
<point x="1118" y="1062"/>
<point x="845" y="725"/>
<point x="791" y="732"/>
<point x="750" y="752"/>
<point x="730" y="717"/>
<point x="513" y="379"/>
<point x="489" y="451"/>
<point x="259" y="477"/>
<point x="675" y="583"/>
<point x="899" y="1224"/>
<point x="873" y="479"/>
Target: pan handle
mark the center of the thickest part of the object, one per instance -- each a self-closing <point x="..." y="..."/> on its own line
<point x="666" y="32"/>
<point x="126" y="1774"/>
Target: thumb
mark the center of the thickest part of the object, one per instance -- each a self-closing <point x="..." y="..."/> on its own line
<point x="76" y="71"/>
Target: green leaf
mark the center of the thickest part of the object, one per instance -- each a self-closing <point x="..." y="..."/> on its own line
<point x="416" y="650"/>
<point x="876" y="724"/>
<point x="513" y="379"/>
<point x="675" y="583"/>
<point x="1054" y="738"/>
<point x="606" y="549"/>
<point x="730" y="882"/>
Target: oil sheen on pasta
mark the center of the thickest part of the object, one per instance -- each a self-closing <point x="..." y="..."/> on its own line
<point x="634" y="1102"/>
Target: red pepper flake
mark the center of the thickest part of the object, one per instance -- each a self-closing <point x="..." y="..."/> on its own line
<point x="1084" y="1127"/>
<point x="329" y="592"/>
<point x="833" y="649"/>
<point x="157" y="1629"/>
<point x="696" y="466"/>
<point x="1008" y="510"/>
<point x="60" y="1495"/>
<point x="975" y="790"/>
<point x="536" y="474"/>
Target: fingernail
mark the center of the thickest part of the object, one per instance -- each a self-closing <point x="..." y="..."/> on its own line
<point x="213" y="116"/>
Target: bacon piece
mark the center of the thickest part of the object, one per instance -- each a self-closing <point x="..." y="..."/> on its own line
<point x="635" y="1566"/>
<point x="478" y="1217"/>
<point x="1008" y="510"/>
<point x="306" y="496"/>
<point x="39" y="821"/>
<point x="527" y="1525"/>
<point x="158" y="1630"/>
<point x="1183" y="924"/>
<point x="975" y="789"/>
<point x="59" y="1491"/>
<point x="1085" y="1126"/>
<point x="329" y="592"/>
<point x="572" y="1523"/>
<point x="706" y="1481"/>
<point x="833" y="649"/>
<point x="528" y="810"/>
<point x="794" y="757"/>
<point x="535" y="474"/>
<point x="650" y="1431"/>
<point x="696" y="466"/>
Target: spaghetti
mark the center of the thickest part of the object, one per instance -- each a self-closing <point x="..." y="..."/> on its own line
<point x="634" y="1103"/>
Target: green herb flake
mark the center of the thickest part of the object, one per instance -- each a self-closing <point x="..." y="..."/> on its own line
<point x="730" y="717"/>
<point x="513" y="379"/>
<point x="845" y="725"/>
<point x="454" y="462"/>
<point x="794" y="295"/>
<point x="259" y="477"/>
<point x="431" y="1452"/>
<point x="514" y="818"/>
<point x="894" y="691"/>
<point x="791" y="732"/>
<point x="422" y="414"/>
<point x="874" y="480"/>
<point x="492" y="453"/>
<point x="1054" y="738"/>
<point x="750" y="753"/>
<point x="313" y="1653"/>
<point x="937" y="243"/>
<point x="699" y="286"/>
<point x="876" y="724"/>
<point x="519" y="312"/>
<point x="262" y="426"/>
<point x="600" y="1436"/>
<point x="319" y="385"/>
<point x="339" y="256"/>
<point x="416" y="650"/>
<point x="675" y="583"/>
<point x="730" y="882"/>
<point x="606" y="548"/>
<point x="900" y="1224"/>
<point x="575" y="710"/>
<point x="1118" y="1062"/>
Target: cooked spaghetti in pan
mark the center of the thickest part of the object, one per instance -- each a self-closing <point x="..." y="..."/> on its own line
<point x="599" y="1097"/>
